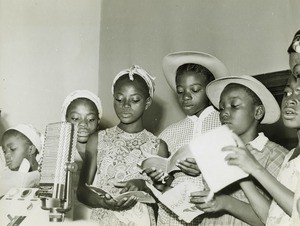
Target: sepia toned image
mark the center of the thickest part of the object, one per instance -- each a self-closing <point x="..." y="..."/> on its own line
<point x="150" y="112"/>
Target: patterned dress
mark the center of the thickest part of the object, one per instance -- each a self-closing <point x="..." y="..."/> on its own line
<point x="289" y="175"/>
<point x="176" y="136"/>
<point x="117" y="158"/>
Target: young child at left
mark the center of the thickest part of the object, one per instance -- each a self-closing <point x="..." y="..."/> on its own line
<point x="20" y="144"/>
<point x="112" y="155"/>
<point x="244" y="103"/>
<point x="82" y="108"/>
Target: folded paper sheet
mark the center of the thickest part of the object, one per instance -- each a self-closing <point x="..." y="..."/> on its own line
<point x="177" y="199"/>
<point x="207" y="151"/>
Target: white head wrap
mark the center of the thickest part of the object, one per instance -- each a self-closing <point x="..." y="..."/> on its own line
<point x="135" y="69"/>
<point x="80" y="94"/>
<point x="33" y="135"/>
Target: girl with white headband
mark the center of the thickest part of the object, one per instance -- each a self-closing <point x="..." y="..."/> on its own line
<point x="22" y="146"/>
<point x="112" y="154"/>
<point x="82" y="108"/>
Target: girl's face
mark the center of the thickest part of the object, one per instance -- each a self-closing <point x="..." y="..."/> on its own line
<point x="84" y="114"/>
<point x="130" y="101"/>
<point x="191" y="93"/>
<point x="237" y="111"/>
<point x="15" y="149"/>
<point x="290" y="105"/>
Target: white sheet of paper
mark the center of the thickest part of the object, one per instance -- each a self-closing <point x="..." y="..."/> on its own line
<point x="207" y="151"/>
<point x="177" y="199"/>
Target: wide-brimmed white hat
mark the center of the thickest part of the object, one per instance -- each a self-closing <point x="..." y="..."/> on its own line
<point x="172" y="61"/>
<point x="272" y="110"/>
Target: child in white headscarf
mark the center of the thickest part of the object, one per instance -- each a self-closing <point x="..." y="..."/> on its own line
<point x="21" y="146"/>
<point x="82" y="108"/>
<point x="112" y="155"/>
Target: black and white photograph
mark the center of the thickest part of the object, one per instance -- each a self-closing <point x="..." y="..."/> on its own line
<point x="150" y="112"/>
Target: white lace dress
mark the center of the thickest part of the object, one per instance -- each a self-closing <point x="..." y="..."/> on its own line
<point x="118" y="155"/>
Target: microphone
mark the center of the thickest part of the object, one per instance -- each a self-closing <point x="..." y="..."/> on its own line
<point x="57" y="166"/>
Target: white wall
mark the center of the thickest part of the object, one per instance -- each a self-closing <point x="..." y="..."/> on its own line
<point x="47" y="49"/>
<point x="249" y="36"/>
<point x="50" y="47"/>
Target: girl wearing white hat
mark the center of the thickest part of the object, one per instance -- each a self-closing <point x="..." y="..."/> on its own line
<point x="22" y="146"/>
<point x="82" y="108"/>
<point x="188" y="73"/>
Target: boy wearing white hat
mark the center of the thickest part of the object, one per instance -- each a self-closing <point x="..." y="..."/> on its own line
<point x="21" y="144"/>
<point x="244" y="103"/>
<point x="188" y="73"/>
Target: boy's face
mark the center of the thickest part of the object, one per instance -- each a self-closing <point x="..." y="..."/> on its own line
<point x="85" y="115"/>
<point x="130" y="101"/>
<point x="290" y="105"/>
<point x="15" y="149"/>
<point x="237" y="110"/>
<point x="191" y="93"/>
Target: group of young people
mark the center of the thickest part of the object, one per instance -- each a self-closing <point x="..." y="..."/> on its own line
<point x="210" y="97"/>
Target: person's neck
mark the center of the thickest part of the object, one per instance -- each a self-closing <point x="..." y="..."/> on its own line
<point x="249" y="136"/>
<point x="81" y="149"/>
<point x="201" y="110"/>
<point x="132" y="127"/>
<point x="33" y="164"/>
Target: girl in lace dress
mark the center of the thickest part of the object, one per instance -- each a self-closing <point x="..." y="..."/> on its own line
<point x="112" y="155"/>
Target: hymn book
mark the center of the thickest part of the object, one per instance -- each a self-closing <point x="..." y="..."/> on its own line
<point x="166" y="165"/>
<point x="141" y="196"/>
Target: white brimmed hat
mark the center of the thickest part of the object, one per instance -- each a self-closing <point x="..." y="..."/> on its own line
<point x="172" y="61"/>
<point x="272" y="110"/>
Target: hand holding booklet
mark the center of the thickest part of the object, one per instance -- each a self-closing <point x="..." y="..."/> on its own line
<point x="207" y="151"/>
<point x="167" y="165"/>
<point x="140" y="195"/>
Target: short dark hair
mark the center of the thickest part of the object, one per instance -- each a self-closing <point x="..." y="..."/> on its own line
<point x="256" y="100"/>
<point x="196" y="68"/>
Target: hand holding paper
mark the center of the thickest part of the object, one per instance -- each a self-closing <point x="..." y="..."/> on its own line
<point x="241" y="157"/>
<point x="167" y="165"/>
<point x="207" y="150"/>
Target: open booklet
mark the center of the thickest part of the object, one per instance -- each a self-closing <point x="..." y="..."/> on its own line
<point x="207" y="151"/>
<point x="177" y="199"/>
<point x="140" y="195"/>
<point x="167" y="165"/>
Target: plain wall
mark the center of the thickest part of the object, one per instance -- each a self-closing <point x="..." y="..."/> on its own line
<point x="250" y="36"/>
<point x="47" y="49"/>
<point x="50" y="48"/>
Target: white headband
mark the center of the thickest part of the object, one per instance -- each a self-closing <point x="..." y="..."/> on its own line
<point x="80" y="94"/>
<point x="36" y="138"/>
<point x="137" y="70"/>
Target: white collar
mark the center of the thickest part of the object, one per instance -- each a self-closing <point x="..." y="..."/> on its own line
<point x="203" y="114"/>
<point x="259" y="142"/>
